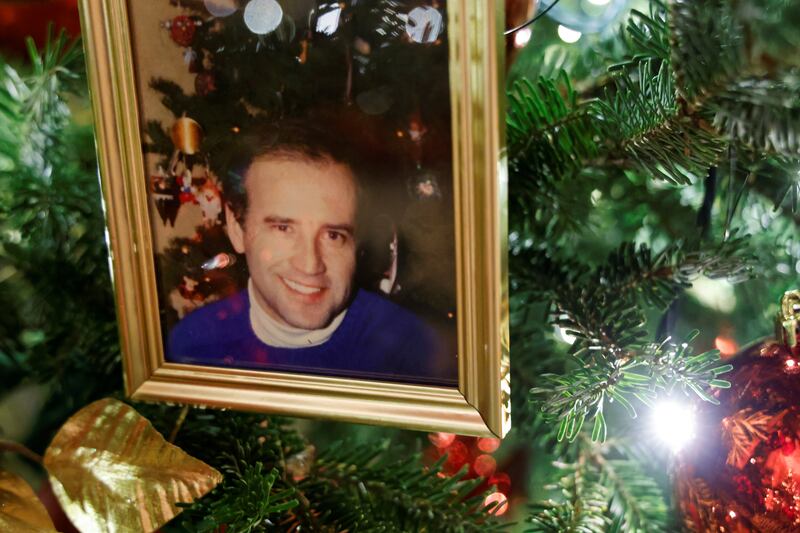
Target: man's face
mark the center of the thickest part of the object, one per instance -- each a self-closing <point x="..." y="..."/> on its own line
<point x="298" y="237"/>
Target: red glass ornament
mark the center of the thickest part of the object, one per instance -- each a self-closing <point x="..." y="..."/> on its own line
<point x="441" y="440"/>
<point x="182" y="30"/>
<point x="501" y="481"/>
<point x="457" y="455"/>
<point x="500" y="500"/>
<point x="484" y="465"/>
<point x="739" y="473"/>
<point x="488" y="445"/>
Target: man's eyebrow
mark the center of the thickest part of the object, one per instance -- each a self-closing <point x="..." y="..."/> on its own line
<point x="340" y="227"/>
<point x="271" y="219"/>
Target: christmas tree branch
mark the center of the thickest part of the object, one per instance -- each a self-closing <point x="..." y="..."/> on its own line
<point x="639" y="373"/>
<point x="378" y="492"/>
<point x="597" y="491"/>
<point x="583" y="506"/>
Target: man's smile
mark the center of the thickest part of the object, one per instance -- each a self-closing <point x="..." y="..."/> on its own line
<point x="300" y="287"/>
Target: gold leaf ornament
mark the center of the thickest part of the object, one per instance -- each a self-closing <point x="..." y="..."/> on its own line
<point x="113" y="472"/>
<point x="20" y="509"/>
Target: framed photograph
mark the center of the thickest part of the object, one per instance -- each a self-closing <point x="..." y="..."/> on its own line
<point x="306" y="205"/>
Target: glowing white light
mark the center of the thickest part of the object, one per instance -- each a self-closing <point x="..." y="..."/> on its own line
<point x="522" y="37"/>
<point x="717" y="294"/>
<point x="328" y="22"/>
<point x="568" y="35"/>
<point x="674" y="424"/>
<point x="220" y="8"/>
<point x="599" y="2"/>
<point x="262" y="16"/>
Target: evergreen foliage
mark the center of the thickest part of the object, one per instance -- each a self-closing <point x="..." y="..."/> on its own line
<point x="686" y="99"/>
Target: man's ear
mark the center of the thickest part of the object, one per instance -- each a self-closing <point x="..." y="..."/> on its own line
<point x="234" y="229"/>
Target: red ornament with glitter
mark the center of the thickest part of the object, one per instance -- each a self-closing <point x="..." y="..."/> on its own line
<point x="743" y="475"/>
<point x="182" y="30"/>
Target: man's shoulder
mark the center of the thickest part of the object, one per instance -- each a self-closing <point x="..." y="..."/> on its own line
<point x="381" y="320"/>
<point x="379" y="310"/>
<point x="396" y="340"/>
<point x="223" y="320"/>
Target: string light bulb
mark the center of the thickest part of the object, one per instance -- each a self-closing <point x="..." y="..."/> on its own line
<point x="673" y="423"/>
<point x="568" y="35"/>
<point x="522" y="37"/>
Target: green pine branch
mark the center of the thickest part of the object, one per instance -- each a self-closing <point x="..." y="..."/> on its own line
<point x="739" y="67"/>
<point x="687" y="86"/>
<point x="599" y="491"/>
<point x="647" y="34"/>
<point x="52" y="246"/>
<point x="247" y="502"/>
<point x="364" y="488"/>
<point x="642" y="118"/>
<point x="637" y="500"/>
<point x="583" y="504"/>
<point x="582" y="393"/>
<point x="610" y="359"/>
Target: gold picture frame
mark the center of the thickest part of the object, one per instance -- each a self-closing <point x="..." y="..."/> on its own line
<point x="480" y="405"/>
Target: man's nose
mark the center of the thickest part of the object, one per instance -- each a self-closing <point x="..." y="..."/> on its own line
<point x="307" y="258"/>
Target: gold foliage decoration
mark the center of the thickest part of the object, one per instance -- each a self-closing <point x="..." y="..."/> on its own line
<point x="113" y="472"/>
<point x="20" y="509"/>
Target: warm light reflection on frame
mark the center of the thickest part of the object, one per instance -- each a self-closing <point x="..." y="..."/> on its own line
<point x="480" y="405"/>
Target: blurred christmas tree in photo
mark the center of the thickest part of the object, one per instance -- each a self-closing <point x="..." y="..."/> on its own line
<point x="654" y="163"/>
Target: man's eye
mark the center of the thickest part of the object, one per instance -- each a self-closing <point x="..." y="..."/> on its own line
<point x="281" y="227"/>
<point x="335" y="236"/>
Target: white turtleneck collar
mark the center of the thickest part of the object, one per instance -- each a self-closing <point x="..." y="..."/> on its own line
<point x="271" y="332"/>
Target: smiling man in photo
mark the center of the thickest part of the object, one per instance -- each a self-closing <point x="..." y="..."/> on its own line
<point x="292" y="209"/>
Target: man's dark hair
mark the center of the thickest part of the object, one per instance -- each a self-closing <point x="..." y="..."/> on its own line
<point x="292" y="140"/>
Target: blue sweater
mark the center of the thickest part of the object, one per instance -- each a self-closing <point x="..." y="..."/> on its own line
<point x="376" y="340"/>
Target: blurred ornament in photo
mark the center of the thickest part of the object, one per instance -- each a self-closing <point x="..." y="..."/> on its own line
<point x="191" y="60"/>
<point x="187" y="135"/>
<point x="262" y="16"/>
<point x="205" y="83"/>
<point x="388" y="283"/>
<point x="187" y="190"/>
<point x="221" y="8"/>
<point x="425" y="186"/>
<point x="165" y="192"/>
<point x="209" y="197"/>
<point x="182" y="29"/>
<point x="424" y="24"/>
<point x="742" y="472"/>
<point x="328" y="16"/>
<point x="219" y="261"/>
<point x="387" y="23"/>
